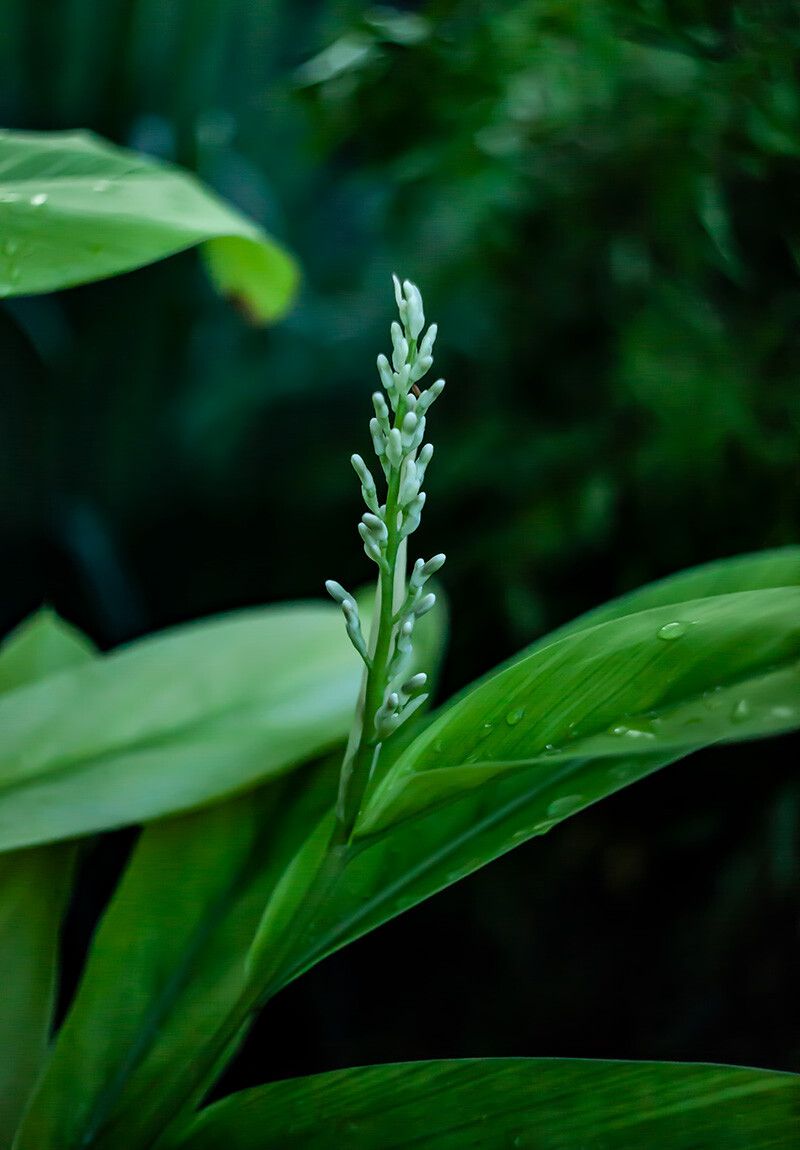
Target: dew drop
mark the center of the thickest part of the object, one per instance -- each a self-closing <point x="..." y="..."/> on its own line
<point x="513" y="717"/>
<point x="550" y="748"/>
<point x="39" y="199"/>
<point x="741" y="712"/>
<point x="101" y="186"/>
<point x="566" y="805"/>
<point x="543" y="827"/>
<point x="671" y="631"/>
<point x="623" y="772"/>
<point x="782" y="712"/>
<point x="485" y="731"/>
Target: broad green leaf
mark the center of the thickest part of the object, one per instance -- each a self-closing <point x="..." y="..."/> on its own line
<point x="497" y="1104"/>
<point x="758" y="571"/>
<point x="75" y="209"/>
<point x="166" y="976"/>
<point x="173" y="721"/>
<point x="34" y="886"/>
<point x="383" y="875"/>
<point x="663" y="681"/>
<point x="166" y="970"/>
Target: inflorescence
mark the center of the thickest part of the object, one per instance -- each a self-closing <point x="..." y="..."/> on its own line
<point x="398" y="431"/>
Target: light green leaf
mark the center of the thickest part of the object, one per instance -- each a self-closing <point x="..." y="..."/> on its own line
<point x="167" y="972"/>
<point x="173" y="721"/>
<point x="166" y="969"/>
<point x="34" y="887"/>
<point x="504" y="1103"/>
<point x="74" y="209"/>
<point x="661" y="682"/>
<point x="41" y="645"/>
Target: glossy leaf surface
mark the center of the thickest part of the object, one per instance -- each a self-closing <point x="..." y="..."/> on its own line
<point x="76" y="209"/>
<point x="662" y="681"/>
<point x="388" y="872"/>
<point x="498" y="1104"/>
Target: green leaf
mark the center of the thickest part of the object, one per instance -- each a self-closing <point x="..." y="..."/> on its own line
<point x="41" y="645"/>
<point x="538" y="1103"/>
<point x="76" y="209"/>
<point x="34" y="887"/>
<point x="173" y="721"/>
<point x="167" y="967"/>
<point x="384" y="875"/>
<point x="166" y="984"/>
<point x="659" y="683"/>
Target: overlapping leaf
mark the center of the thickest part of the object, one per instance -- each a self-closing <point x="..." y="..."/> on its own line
<point x="173" y="721"/>
<point x="498" y="1104"/>
<point x="315" y="902"/>
<point x="74" y="209"/>
<point x="662" y="681"/>
<point x="34" y="886"/>
<point x="161" y="998"/>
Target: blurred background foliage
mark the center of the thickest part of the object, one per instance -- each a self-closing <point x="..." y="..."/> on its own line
<point x="599" y="201"/>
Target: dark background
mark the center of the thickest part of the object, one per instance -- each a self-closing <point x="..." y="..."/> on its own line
<point x="600" y="203"/>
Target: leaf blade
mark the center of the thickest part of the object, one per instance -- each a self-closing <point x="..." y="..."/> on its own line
<point x="77" y="209"/>
<point x="546" y="1104"/>
<point x="34" y="888"/>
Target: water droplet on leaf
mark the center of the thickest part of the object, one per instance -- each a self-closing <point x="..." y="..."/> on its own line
<point x="39" y="199"/>
<point x="741" y="712"/>
<point x="672" y="631"/>
<point x="513" y="717"/>
<point x="566" y="805"/>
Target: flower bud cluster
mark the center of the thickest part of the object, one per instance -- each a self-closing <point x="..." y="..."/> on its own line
<point x="397" y="429"/>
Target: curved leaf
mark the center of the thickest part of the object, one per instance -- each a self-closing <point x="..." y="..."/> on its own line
<point x="387" y="873"/>
<point x="660" y="682"/>
<point x="75" y="209"/>
<point x="538" y="1103"/>
<point x="167" y="966"/>
<point x="173" y="721"/>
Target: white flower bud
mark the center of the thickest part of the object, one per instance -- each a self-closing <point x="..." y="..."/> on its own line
<point x="336" y="590"/>
<point x="415" y="315"/>
<point x="427" y="341"/>
<point x="425" y="604"/>
<point x="394" y="447"/>
<point x="399" y="347"/>
<point x="385" y="372"/>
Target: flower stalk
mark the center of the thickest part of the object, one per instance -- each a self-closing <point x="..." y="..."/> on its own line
<point x="390" y="694"/>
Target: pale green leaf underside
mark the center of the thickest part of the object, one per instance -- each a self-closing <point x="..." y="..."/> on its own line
<point x="74" y="209"/>
<point x="174" y="721"/>
<point x="510" y="1104"/>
